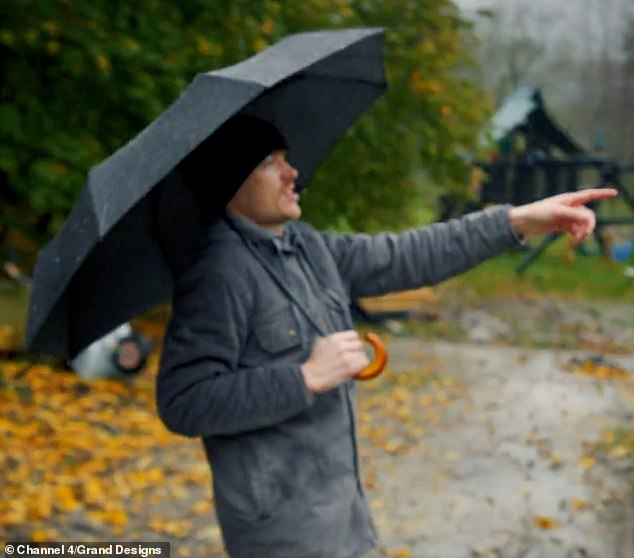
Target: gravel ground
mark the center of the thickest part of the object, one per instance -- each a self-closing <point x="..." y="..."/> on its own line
<point x="508" y="468"/>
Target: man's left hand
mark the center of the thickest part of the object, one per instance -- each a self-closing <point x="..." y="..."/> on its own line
<point x="562" y="213"/>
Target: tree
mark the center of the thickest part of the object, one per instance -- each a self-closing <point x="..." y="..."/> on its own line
<point x="81" y="77"/>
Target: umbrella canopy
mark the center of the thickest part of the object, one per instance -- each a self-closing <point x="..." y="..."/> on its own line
<point x="107" y="265"/>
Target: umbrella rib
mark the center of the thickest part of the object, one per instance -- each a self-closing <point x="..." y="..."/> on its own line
<point x="342" y="79"/>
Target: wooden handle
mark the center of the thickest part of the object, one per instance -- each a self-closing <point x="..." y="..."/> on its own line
<point x="380" y="358"/>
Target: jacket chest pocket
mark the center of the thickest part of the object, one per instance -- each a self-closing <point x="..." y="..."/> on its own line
<point x="338" y="306"/>
<point x="278" y="334"/>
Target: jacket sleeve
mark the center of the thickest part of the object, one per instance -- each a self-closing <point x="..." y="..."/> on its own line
<point x="201" y="391"/>
<point x="386" y="262"/>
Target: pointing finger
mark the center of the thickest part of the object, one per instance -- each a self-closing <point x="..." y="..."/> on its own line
<point x="591" y="194"/>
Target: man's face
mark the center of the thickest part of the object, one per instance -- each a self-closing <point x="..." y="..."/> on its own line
<point x="267" y="197"/>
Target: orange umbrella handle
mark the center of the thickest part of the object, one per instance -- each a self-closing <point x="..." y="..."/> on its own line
<point x="380" y="358"/>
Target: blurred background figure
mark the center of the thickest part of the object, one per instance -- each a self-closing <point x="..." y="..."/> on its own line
<point x="118" y="354"/>
<point x="121" y="353"/>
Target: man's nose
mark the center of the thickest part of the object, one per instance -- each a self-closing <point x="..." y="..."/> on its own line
<point x="290" y="172"/>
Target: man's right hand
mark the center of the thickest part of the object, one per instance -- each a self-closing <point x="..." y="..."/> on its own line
<point x="335" y="359"/>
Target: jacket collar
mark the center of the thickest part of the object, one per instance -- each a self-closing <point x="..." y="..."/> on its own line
<point x="287" y="242"/>
<point x="247" y="229"/>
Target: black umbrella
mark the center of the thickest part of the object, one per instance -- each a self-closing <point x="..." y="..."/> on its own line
<point x="107" y="265"/>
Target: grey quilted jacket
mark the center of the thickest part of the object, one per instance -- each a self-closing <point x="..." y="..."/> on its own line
<point x="286" y="475"/>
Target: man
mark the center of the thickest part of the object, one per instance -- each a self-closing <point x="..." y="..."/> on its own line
<point x="260" y="354"/>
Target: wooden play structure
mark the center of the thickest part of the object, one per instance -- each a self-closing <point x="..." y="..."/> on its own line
<point x="536" y="158"/>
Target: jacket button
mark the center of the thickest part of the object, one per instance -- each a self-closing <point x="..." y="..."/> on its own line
<point x="292" y="332"/>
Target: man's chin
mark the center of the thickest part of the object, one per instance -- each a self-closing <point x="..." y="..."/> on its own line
<point x="293" y="213"/>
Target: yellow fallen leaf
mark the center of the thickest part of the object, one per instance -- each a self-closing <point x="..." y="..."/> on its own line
<point x="395" y="446"/>
<point x="370" y="483"/>
<point x="41" y="508"/>
<point x="401" y="395"/>
<point x="416" y="431"/>
<point x="17" y="515"/>
<point x="202" y="506"/>
<point x="8" y="337"/>
<point x="176" y="528"/>
<point x="586" y="462"/>
<point x="618" y="452"/>
<point x="65" y="499"/>
<point x="580" y="505"/>
<point x="118" y="518"/>
<point x="555" y="459"/>
<point x="400" y="553"/>
<point x="12" y="368"/>
<point x="44" y="535"/>
<point x="404" y="413"/>
<point x="603" y="371"/>
<point x="377" y="504"/>
<point x="178" y="492"/>
<point x="6" y="426"/>
<point x="545" y="522"/>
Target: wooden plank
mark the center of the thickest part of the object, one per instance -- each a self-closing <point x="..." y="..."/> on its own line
<point x="417" y="300"/>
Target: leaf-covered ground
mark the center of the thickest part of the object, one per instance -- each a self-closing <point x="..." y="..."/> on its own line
<point x="467" y="450"/>
<point x="91" y="460"/>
